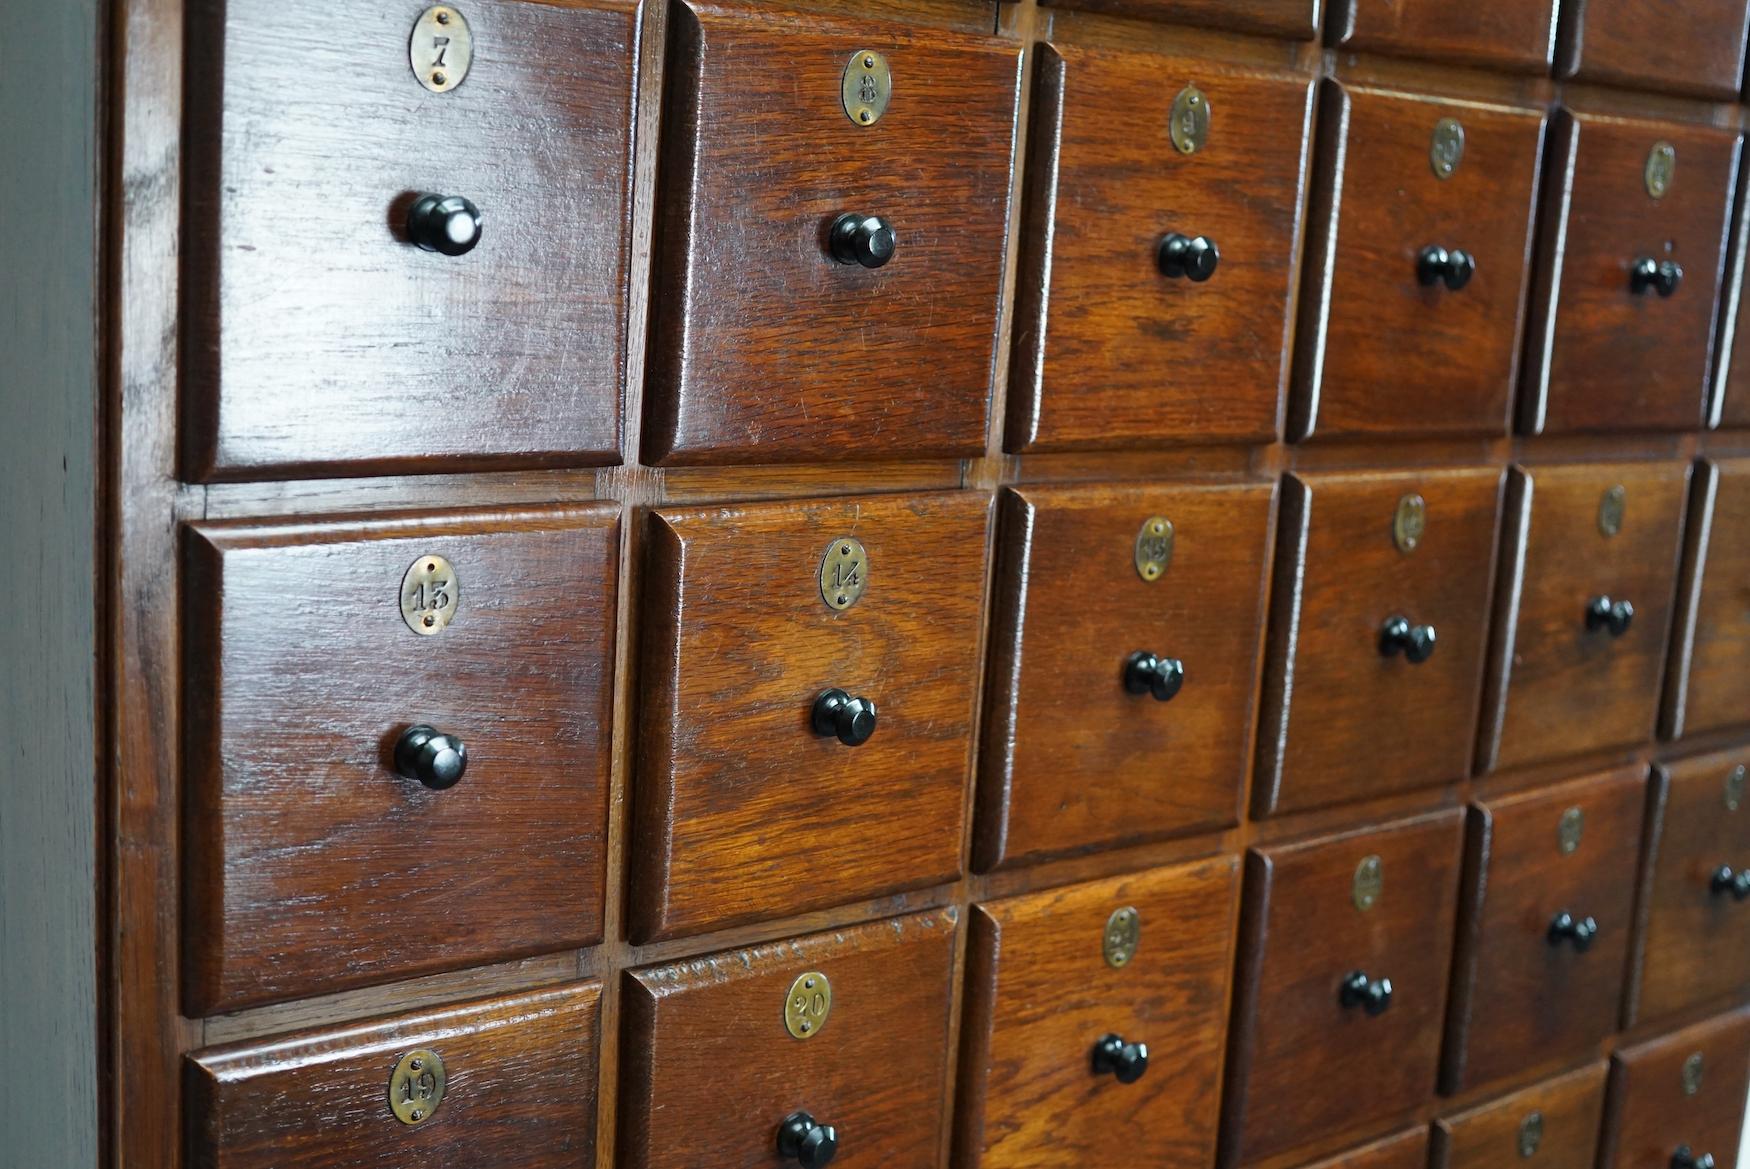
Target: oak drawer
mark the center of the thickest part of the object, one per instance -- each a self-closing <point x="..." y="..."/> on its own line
<point x="1550" y="1125"/>
<point x="315" y="858"/>
<point x="1511" y="34"/>
<point x="1289" y="18"/>
<point x="1707" y="685"/>
<point x="1637" y="44"/>
<point x="1684" y="1091"/>
<point x="1404" y="1150"/>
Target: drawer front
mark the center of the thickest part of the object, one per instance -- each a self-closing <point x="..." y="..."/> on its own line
<point x="506" y="1081"/>
<point x="327" y="842"/>
<point x="1358" y="594"/>
<point x="1551" y="1125"/>
<point x="1623" y="309"/>
<point x="1055" y="977"/>
<point x="1708" y="684"/>
<point x="330" y="341"/>
<point x="1635" y="43"/>
<point x="1585" y="608"/>
<point x="1290" y="18"/>
<point x="1513" y="34"/>
<point x="1417" y="265"/>
<point x="767" y="347"/>
<point x="1120" y="334"/>
<point x="1119" y="707"/>
<point x="716" y="1059"/>
<point x="744" y="809"/>
<point x="1404" y="1150"/>
<point x="1544" y="928"/>
<point x="1685" y="1090"/>
<point x="1322" y="1046"/>
<point x="1695" y="940"/>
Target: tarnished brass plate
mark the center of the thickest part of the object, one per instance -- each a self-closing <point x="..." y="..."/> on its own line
<point x="807" y="1005"/>
<point x="1189" y="127"/>
<point x="866" y="87"/>
<point x="1409" y="523"/>
<point x="416" y="1087"/>
<point x="1693" y="1068"/>
<point x="1368" y="884"/>
<point x="1661" y="169"/>
<point x="430" y="593"/>
<point x="1569" y="830"/>
<point x="441" y="48"/>
<point x="1530" y="1134"/>
<point x="1610" y="510"/>
<point x="1446" y="150"/>
<point x="1154" y="547"/>
<point x="1123" y="932"/>
<point x="1735" y="788"/>
<point x="844" y="573"/>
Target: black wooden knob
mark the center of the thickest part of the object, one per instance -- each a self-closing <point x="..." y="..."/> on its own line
<point x="1580" y="931"/>
<point x="839" y="716"/>
<point x="809" y="1144"/>
<point x="1372" y="995"/>
<point x="1683" y="1158"/>
<point x="434" y="759"/>
<point x="1193" y="258"/>
<point x="444" y="223"/>
<point x="1734" y="884"/>
<point x="1452" y="268"/>
<point x="1146" y="674"/>
<point x="1661" y="277"/>
<point x="1126" y="1061"/>
<point x="1415" y="642"/>
<point x="1604" y="613"/>
<point x="862" y="239"/>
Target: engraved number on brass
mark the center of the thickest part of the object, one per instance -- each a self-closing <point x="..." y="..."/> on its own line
<point x="1661" y="169"/>
<point x="1369" y="883"/>
<point x="1610" y="510"/>
<point x="416" y="1087"/>
<point x="1446" y="151"/>
<point x="1189" y="127"/>
<point x="807" y="1005"/>
<point x="1735" y="788"/>
<point x="1693" y="1067"/>
<point x="1409" y="523"/>
<point x="441" y="48"/>
<point x="1154" y="547"/>
<point x="1530" y="1134"/>
<point x="1569" y="830"/>
<point x="429" y="595"/>
<point x="844" y="573"/>
<point x="1123" y="932"/>
<point x="866" y="87"/>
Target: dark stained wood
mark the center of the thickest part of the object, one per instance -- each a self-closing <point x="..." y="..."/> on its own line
<point x="763" y="347"/>
<point x="1568" y="1110"/>
<point x="1650" y="1114"/>
<point x="1601" y="356"/>
<point x="1730" y="406"/>
<point x="1379" y="352"/>
<point x="1302" y="1065"/>
<point x="1636" y="43"/>
<point x="520" y="1090"/>
<point x="1072" y="759"/>
<point x="1329" y="692"/>
<point x="1708" y="680"/>
<point x="1292" y="18"/>
<point x="1519" y="1000"/>
<point x="1694" y="943"/>
<point x="1557" y="688"/>
<point x="311" y="864"/>
<point x="1404" y="1150"/>
<point x="1510" y="34"/>
<point x="1042" y="994"/>
<point x="318" y="340"/>
<point x="1108" y="350"/>
<point x="710" y="1069"/>
<point x="742" y="811"/>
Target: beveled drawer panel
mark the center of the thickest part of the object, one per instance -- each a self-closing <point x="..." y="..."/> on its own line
<point x="1342" y="984"/>
<point x="1376" y="634"/>
<point x="1054" y="975"/>
<point x="849" y="1028"/>
<point x="743" y="807"/>
<point x="1543" y="932"/>
<point x="314" y="857"/>
<point x="319" y="339"/>
<point x="1416" y="265"/>
<point x="1117" y="343"/>
<point x="505" y="1081"/>
<point x="1708" y="677"/>
<point x="1550" y="1125"/>
<point x="1404" y="1150"/>
<point x="1290" y="18"/>
<point x="1637" y="44"/>
<point x="1684" y="1091"/>
<point x="1586" y="592"/>
<point x="1512" y="34"/>
<point x="1119" y="706"/>
<point x="1623" y="317"/>
<point x="764" y="346"/>
<point x="1695" y="937"/>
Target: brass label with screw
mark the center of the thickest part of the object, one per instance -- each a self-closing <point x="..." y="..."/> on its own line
<point x="1446" y="150"/>
<point x="1189" y="127"/>
<point x="1154" y="547"/>
<point x="1368" y="884"/>
<point x="1610" y="510"/>
<point x="1119" y="941"/>
<point x="866" y="87"/>
<point x="807" y="1005"/>
<point x="844" y="573"/>
<point x="1569" y="830"/>
<point x="430" y="593"/>
<point x="416" y="1087"/>
<point x="1530" y="1134"/>
<point x="1409" y="522"/>
<point x="441" y="48"/>
<point x="1661" y="169"/>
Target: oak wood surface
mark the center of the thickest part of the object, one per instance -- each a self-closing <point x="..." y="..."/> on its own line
<point x="1567" y="1111"/>
<point x="1289" y="18"/>
<point x="1651" y="1112"/>
<point x="1708" y="688"/>
<point x="1509" y="34"/>
<point x="1404" y="1150"/>
<point x="1636" y="43"/>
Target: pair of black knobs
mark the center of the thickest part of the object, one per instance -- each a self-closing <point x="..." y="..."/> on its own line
<point x="1729" y="883"/>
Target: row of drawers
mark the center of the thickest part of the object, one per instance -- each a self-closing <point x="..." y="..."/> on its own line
<point x="1162" y="295"/>
<point x="808" y="688"/>
<point x="1093" y="1022"/>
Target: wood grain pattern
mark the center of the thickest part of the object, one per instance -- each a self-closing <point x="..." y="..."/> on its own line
<point x="1708" y="687"/>
<point x="1520" y="1001"/>
<point x="1601" y="356"/>
<point x="1634" y="43"/>
<point x="741" y="810"/>
<point x="1298" y="1056"/>
<point x="1404" y="1150"/>
<point x="1291" y="18"/>
<point x="1568" y="1110"/>
<point x="710" y="1070"/>
<point x="763" y="348"/>
<point x="1649" y="1113"/>
<point x="1071" y="759"/>
<point x="1370" y="327"/>
<point x="318" y="340"/>
<point x="1042" y="994"/>
<point x="1327" y="685"/>
<point x="520" y="1091"/>
<point x="311" y="865"/>
<point x="1556" y="687"/>
<point x="1108" y="350"/>
<point x="1509" y="34"/>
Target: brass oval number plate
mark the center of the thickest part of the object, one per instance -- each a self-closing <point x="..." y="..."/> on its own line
<point x="1409" y="523"/>
<point x="1693" y="1067"/>
<point x="1610" y="510"/>
<point x="1368" y="884"/>
<point x="441" y="48"/>
<point x="1154" y="547"/>
<point x="807" y="1005"/>
<point x="1569" y="830"/>
<point x="429" y="595"/>
<point x="1189" y="127"/>
<point x="1530" y="1134"/>
<point x="416" y="1087"/>
<point x="1123" y="932"/>
<point x="1446" y="151"/>
<point x="844" y="573"/>
<point x="1735" y="788"/>
<point x="866" y="87"/>
<point x="1661" y="169"/>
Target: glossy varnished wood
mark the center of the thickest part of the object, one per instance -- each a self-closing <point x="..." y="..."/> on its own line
<point x="1651" y="1112"/>
<point x="1635" y="43"/>
<point x="1289" y="18"/>
<point x="311" y="865"/>
<point x="1403" y="1150"/>
<point x="1567" y="1112"/>
<point x="1108" y="350"/>
<point x="1507" y="34"/>
<point x="1708" y="678"/>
